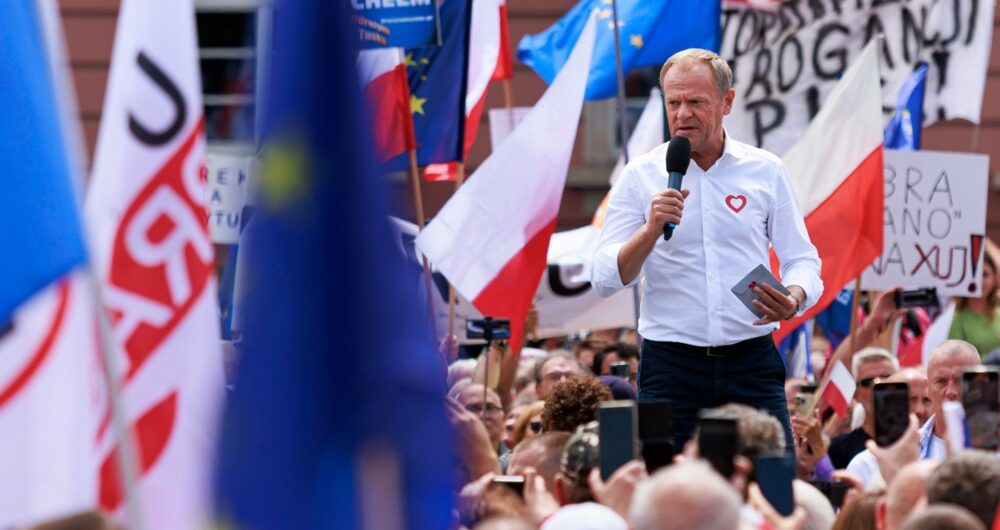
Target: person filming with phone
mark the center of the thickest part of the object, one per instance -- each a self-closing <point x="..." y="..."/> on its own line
<point x="705" y="322"/>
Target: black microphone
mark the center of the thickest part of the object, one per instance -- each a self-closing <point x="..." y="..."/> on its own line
<point x="678" y="160"/>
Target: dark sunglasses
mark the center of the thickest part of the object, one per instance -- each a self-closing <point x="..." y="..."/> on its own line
<point x="869" y="381"/>
<point x="536" y="426"/>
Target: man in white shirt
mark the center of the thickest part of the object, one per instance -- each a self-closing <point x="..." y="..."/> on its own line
<point x="944" y="373"/>
<point x="702" y="348"/>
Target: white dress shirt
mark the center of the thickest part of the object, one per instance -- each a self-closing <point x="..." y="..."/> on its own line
<point x="864" y="465"/>
<point x="735" y="209"/>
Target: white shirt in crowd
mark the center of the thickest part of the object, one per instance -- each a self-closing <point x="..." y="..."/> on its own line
<point x="735" y="209"/>
<point x="865" y="466"/>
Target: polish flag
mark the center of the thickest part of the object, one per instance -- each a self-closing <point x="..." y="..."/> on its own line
<point x="838" y="390"/>
<point x="836" y="171"/>
<point x="935" y="334"/>
<point x="505" y="63"/>
<point x="383" y="77"/>
<point x="151" y="250"/>
<point x="492" y="237"/>
<point x="483" y="60"/>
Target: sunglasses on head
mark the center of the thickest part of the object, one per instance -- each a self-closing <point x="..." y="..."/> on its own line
<point x="869" y="381"/>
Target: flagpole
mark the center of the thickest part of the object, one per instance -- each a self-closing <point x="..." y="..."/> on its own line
<point x="418" y="208"/>
<point x="459" y="178"/>
<point x="622" y="126"/>
<point x="854" y="312"/>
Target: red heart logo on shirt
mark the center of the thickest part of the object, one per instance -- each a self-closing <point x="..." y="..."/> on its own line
<point x="736" y="202"/>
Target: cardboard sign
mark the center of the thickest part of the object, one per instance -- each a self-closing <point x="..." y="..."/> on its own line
<point x="935" y="222"/>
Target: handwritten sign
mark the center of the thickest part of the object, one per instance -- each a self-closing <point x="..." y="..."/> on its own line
<point x="935" y="220"/>
<point x="786" y="59"/>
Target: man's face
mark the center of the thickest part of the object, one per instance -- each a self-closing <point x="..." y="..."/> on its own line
<point x="586" y="357"/>
<point x="694" y="105"/>
<point x="870" y="373"/>
<point x="554" y="372"/>
<point x="920" y="399"/>
<point x="491" y="413"/>
<point x="944" y="373"/>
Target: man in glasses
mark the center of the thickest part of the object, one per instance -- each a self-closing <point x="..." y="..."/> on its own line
<point x="470" y="396"/>
<point x="869" y="366"/>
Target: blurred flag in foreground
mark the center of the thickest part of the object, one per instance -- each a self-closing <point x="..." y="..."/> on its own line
<point x="49" y="371"/>
<point x="146" y="213"/>
<point x="337" y="419"/>
<point x="650" y="33"/>
<point x="41" y="239"/>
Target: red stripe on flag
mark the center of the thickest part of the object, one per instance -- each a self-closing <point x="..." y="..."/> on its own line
<point x="836" y="400"/>
<point x="847" y="231"/>
<point x="505" y="62"/>
<point x="389" y="97"/>
<point x="44" y="349"/>
<point x="510" y="293"/>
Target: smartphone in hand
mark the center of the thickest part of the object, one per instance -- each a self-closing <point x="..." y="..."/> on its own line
<point x="981" y="400"/>
<point x="717" y="442"/>
<point x="775" y="475"/>
<point x="618" y="432"/>
<point x="892" y="412"/>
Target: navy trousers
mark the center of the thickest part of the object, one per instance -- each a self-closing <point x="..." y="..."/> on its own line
<point x="750" y="372"/>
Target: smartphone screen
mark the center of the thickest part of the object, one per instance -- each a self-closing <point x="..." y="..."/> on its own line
<point x="620" y="370"/>
<point x="981" y="400"/>
<point x="892" y="412"/>
<point x="774" y="476"/>
<point x="656" y="434"/>
<point x="717" y="441"/>
<point x="618" y="433"/>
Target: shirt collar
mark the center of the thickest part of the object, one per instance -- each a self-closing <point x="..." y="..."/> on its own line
<point x="926" y="435"/>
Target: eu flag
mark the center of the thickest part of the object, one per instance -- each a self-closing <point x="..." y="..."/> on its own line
<point x="903" y="130"/>
<point x="437" y="87"/>
<point x="338" y="402"/>
<point x="41" y="237"/>
<point x="650" y="33"/>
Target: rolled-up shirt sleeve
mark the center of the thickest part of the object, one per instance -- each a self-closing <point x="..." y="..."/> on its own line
<point x="800" y="263"/>
<point x="625" y="215"/>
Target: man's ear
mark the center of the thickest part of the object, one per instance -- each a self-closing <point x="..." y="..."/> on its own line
<point x="560" y="492"/>
<point x="880" y="509"/>
<point x="727" y="101"/>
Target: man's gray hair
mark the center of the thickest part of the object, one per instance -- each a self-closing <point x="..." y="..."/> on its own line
<point x="685" y="496"/>
<point x="819" y="512"/>
<point x="723" y="73"/>
<point x="872" y="354"/>
<point x="953" y="346"/>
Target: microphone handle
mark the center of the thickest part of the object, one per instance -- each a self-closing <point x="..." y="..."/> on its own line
<point x="674" y="182"/>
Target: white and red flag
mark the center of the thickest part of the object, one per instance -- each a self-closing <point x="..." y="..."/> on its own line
<point x="146" y="215"/>
<point x="485" y="45"/>
<point x="491" y="238"/>
<point x="836" y="171"/>
<point x="838" y="390"/>
<point x="382" y="73"/>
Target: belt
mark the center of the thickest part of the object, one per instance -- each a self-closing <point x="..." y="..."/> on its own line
<point x="729" y="350"/>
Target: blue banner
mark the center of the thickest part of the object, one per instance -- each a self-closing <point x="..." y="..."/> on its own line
<point x="395" y="23"/>
<point x="650" y="32"/>
<point x="41" y="237"/>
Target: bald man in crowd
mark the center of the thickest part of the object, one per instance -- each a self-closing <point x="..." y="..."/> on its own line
<point x="944" y="374"/>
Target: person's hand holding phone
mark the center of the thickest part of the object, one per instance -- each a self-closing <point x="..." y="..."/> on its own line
<point x="617" y="492"/>
<point x="884" y="311"/>
<point x="756" y="499"/>
<point x="539" y="501"/>
<point x="905" y="451"/>
<point x="810" y="429"/>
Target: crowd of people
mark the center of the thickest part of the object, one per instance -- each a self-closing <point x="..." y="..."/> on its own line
<point x="528" y="446"/>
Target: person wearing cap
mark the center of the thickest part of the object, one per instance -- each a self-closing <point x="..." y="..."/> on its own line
<point x="701" y="347"/>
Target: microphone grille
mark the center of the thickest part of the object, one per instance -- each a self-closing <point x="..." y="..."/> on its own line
<point x="678" y="155"/>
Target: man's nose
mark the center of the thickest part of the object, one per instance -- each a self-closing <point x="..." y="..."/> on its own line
<point x="951" y="393"/>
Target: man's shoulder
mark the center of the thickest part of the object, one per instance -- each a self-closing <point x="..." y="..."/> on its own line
<point x="746" y="151"/>
<point x="652" y="159"/>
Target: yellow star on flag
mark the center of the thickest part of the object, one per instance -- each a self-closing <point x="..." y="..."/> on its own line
<point x="408" y="61"/>
<point x="417" y="105"/>
<point x="636" y="40"/>
<point x="604" y="13"/>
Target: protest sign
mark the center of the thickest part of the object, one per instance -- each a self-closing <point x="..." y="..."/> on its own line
<point x="935" y="220"/>
<point x="395" y="23"/>
<point x="227" y="186"/>
<point x="787" y="58"/>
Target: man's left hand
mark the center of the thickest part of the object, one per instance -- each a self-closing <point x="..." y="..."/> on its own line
<point x="776" y="306"/>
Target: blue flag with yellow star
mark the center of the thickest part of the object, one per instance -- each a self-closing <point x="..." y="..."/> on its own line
<point x="650" y="32"/>
<point x="337" y="419"/>
<point x="903" y="130"/>
<point x="437" y="87"/>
